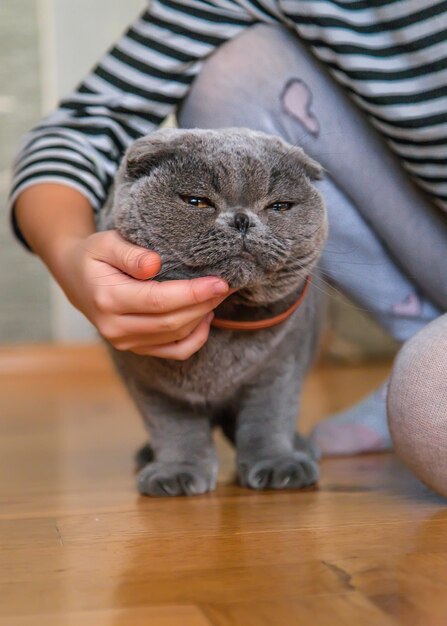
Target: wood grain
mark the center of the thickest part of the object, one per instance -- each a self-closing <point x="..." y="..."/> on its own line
<point x="146" y="616"/>
<point x="79" y="546"/>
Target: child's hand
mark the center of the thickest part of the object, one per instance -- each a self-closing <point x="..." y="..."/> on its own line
<point x="106" y="279"/>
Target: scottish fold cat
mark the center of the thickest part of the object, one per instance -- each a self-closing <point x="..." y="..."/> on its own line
<point x="241" y="205"/>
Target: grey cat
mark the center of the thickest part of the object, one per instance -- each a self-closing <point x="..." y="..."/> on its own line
<point x="240" y="205"/>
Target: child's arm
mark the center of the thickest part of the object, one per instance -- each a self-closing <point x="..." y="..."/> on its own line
<point x="134" y="87"/>
<point x="101" y="275"/>
<point x="67" y="163"/>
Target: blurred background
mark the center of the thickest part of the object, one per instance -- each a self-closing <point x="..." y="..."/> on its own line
<point x="46" y="46"/>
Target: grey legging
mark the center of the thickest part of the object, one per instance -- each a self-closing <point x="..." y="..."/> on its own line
<point x="387" y="242"/>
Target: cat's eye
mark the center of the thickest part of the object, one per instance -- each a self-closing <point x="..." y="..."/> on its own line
<point x="200" y="203"/>
<point x="280" y="207"/>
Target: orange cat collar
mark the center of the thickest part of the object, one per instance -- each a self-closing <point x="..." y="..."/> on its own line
<point x="261" y="324"/>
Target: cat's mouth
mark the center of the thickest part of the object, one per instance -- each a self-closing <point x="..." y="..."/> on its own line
<point x="243" y="267"/>
<point x="245" y="253"/>
<point x="243" y="258"/>
<point x="242" y="262"/>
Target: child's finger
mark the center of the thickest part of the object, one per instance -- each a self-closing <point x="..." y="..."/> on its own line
<point x="109" y="247"/>
<point x="181" y="350"/>
<point x="159" y="298"/>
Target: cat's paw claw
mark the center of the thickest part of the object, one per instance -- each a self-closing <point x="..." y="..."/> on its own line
<point x="174" y="479"/>
<point x="292" y="471"/>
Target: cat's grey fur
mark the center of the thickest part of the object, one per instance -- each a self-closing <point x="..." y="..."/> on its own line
<point x="248" y="382"/>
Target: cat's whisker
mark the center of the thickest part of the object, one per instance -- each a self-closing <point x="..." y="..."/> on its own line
<point x="364" y="263"/>
<point x="337" y="293"/>
<point x="317" y="274"/>
<point x="164" y="272"/>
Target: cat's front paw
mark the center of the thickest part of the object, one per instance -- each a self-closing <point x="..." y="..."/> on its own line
<point x="290" y="471"/>
<point x="175" y="479"/>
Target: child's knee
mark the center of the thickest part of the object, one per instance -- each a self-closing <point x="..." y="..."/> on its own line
<point x="417" y="404"/>
<point x="251" y="80"/>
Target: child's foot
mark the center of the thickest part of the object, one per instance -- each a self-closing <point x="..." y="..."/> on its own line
<point x="362" y="428"/>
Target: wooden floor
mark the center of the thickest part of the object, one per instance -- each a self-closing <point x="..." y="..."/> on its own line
<point x="79" y="547"/>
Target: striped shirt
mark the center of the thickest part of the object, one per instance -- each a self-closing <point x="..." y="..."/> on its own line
<point x="390" y="55"/>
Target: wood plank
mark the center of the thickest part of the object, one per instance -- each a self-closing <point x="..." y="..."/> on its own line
<point x="146" y="616"/>
<point x="53" y="358"/>
<point x="410" y="587"/>
<point x="78" y="545"/>
<point x="55" y="558"/>
<point x="350" y="608"/>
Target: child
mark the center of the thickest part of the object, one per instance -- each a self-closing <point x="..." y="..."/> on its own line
<point x="361" y="88"/>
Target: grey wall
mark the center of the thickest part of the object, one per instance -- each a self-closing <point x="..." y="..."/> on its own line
<point x="24" y="285"/>
<point x="77" y="32"/>
<point x="46" y="46"/>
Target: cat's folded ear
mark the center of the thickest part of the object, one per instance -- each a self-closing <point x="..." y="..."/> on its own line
<point x="311" y="167"/>
<point x="148" y="152"/>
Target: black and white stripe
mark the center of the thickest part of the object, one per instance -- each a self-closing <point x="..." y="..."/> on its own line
<point x="391" y="56"/>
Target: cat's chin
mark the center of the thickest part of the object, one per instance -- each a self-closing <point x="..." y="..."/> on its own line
<point x="242" y="276"/>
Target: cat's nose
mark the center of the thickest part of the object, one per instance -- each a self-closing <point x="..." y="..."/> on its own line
<point x="242" y="222"/>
